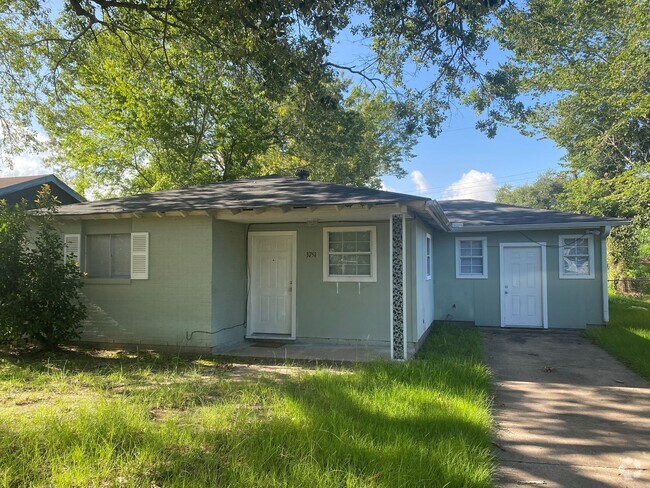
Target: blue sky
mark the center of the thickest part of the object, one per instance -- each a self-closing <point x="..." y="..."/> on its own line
<point x="460" y="163"/>
<point x="463" y="163"/>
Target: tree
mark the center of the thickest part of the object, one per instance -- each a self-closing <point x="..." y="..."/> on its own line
<point x="273" y="48"/>
<point x="13" y="229"/>
<point x="40" y="299"/>
<point x="579" y="74"/>
<point x="545" y="192"/>
<point x="131" y="126"/>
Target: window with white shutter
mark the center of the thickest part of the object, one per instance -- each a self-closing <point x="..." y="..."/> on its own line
<point x="71" y="246"/>
<point x="139" y="255"/>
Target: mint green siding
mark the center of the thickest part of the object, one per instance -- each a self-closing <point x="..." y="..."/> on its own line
<point x="229" y="282"/>
<point x="198" y="283"/>
<point x="176" y="298"/>
<point x="420" y="295"/>
<point x="354" y="312"/>
<point x="572" y="303"/>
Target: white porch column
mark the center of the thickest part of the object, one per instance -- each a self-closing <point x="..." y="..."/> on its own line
<point x="397" y="286"/>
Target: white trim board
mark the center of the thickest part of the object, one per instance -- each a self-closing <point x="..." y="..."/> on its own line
<point x="372" y="278"/>
<point x="558" y="226"/>
<point x="542" y="246"/>
<point x="461" y="276"/>
<point x="592" y="256"/>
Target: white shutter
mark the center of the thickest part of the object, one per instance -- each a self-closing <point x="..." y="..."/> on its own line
<point x="71" y="245"/>
<point x="140" y="255"/>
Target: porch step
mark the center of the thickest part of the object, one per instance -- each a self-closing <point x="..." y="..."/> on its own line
<point x="269" y="338"/>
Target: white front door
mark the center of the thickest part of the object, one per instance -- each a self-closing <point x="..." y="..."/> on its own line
<point x="522" y="296"/>
<point x="272" y="275"/>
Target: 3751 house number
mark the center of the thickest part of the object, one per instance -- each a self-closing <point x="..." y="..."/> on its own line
<point x="310" y="254"/>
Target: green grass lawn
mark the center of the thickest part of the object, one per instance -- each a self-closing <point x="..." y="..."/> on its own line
<point x="627" y="337"/>
<point x="94" y="418"/>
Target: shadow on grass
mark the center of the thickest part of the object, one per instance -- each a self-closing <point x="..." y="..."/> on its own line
<point x="630" y="348"/>
<point x="419" y="423"/>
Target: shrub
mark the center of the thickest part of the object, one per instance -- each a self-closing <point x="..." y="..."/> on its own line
<point x="41" y="300"/>
<point x="13" y="229"/>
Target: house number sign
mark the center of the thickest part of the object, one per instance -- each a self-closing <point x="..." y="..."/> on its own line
<point x="310" y="254"/>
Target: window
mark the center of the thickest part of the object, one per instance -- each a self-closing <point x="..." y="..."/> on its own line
<point x="349" y="254"/>
<point x="108" y="256"/>
<point x="576" y="256"/>
<point x="471" y="257"/>
<point x="428" y="262"/>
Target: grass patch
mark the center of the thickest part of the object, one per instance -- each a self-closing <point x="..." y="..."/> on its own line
<point x="627" y="337"/>
<point x="80" y="419"/>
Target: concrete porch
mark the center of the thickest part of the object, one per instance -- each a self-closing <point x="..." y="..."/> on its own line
<point x="307" y="351"/>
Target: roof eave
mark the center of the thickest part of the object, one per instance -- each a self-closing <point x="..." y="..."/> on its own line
<point x="550" y="226"/>
<point x="437" y="214"/>
<point x="189" y="209"/>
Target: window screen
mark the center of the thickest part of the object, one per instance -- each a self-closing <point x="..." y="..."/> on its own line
<point x="350" y="253"/>
<point x="471" y="257"/>
<point x="108" y="256"/>
<point x="576" y="259"/>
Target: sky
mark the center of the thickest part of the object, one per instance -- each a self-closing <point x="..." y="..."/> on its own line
<point x="460" y="163"/>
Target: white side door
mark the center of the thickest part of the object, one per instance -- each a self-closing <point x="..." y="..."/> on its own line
<point x="522" y="296"/>
<point x="272" y="276"/>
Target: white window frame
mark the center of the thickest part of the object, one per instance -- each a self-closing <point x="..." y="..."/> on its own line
<point x="590" y="245"/>
<point x="428" y="256"/>
<point x="373" y="255"/>
<point x="472" y="276"/>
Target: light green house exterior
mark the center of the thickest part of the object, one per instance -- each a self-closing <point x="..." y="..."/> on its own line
<point x="198" y="288"/>
<point x="571" y="303"/>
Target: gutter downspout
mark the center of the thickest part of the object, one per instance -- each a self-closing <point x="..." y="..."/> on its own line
<point x="603" y="262"/>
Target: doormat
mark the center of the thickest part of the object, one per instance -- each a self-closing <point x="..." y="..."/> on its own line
<point x="271" y="344"/>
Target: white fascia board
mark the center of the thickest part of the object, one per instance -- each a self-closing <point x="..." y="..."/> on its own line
<point x="557" y="226"/>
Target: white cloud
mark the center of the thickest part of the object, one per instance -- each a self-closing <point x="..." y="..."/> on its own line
<point x="473" y="185"/>
<point x="385" y="187"/>
<point x="25" y="165"/>
<point x="419" y="181"/>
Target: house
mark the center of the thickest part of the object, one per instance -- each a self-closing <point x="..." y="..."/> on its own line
<point x="14" y="189"/>
<point x="210" y="266"/>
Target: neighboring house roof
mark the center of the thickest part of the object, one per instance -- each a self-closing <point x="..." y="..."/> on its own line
<point x="10" y="181"/>
<point x="470" y="215"/>
<point x="268" y="191"/>
<point x="15" y="188"/>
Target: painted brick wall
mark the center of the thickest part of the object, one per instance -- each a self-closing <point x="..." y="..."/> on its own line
<point x="174" y="300"/>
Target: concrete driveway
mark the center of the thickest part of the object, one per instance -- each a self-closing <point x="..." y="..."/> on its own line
<point x="567" y="413"/>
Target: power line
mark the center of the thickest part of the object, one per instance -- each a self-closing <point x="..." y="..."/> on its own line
<point x="500" y="181"/>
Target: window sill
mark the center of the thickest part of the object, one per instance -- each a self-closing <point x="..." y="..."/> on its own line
<point x="107" y="281"/>
<point x="471" y="277"/>
<point x="577" y="277"/>
<point x="350" y="279"/>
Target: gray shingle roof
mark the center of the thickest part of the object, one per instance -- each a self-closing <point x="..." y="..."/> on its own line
<point x="475" y="213"/>
<point x="269" y="191"/>
<point x="282" y="191"/>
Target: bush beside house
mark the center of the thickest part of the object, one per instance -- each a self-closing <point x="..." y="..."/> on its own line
<point x="40" y="289"/>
